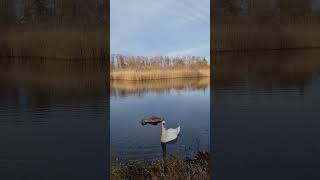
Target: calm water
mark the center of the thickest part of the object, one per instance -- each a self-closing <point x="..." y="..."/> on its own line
<point x="53" y="120"/>
<point x="184" y="102"/>
<point x="267" y="122"/>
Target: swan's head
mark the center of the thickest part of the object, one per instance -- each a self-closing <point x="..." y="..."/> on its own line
<point x="163" y="124"/>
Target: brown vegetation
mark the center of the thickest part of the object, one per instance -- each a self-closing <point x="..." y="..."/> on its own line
<point x="264" y="25"/>
<point x="172" y="168"/>
<point x="55" y="29"/>
<point x="55" y="42"/>
<point x="266" y="32"/>
<point x="159" y="67"/>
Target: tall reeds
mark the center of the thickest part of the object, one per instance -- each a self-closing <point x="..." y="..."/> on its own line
<point x="55" y="29"/>
<point x="54" y="42"/>
<point x="248" y="32"/>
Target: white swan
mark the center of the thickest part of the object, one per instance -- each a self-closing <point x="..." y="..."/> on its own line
<point x="168" y="135"/>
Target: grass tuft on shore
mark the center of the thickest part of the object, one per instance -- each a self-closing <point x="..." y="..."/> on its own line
<point x="171" y="168"/>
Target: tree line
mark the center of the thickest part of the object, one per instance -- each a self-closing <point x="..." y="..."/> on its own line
<point x="53" y="11"/>
<point x="118" y="61"/>
<point x="273" y="7"/>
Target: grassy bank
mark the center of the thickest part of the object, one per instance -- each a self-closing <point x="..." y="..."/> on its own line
<point x="172" y="168"/>
<point x="158" y="73"/>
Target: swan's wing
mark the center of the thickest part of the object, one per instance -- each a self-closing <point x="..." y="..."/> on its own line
<point x="178" y="130"/>
<point x="172" y="133"/>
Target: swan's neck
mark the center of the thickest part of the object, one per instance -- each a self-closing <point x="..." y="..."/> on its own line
<point x="163" y="129"/>
<point x="163" y="133"/>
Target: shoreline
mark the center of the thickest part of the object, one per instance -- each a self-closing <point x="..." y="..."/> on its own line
<point x="172" y="167"/>
<point x="158" y="74"/>
<point x="169" y="78"/>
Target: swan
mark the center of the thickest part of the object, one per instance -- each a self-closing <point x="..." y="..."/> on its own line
<point x="168" y="135"/>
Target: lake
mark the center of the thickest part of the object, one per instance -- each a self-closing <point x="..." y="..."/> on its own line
<point x="182" y="102"/>
<point x="267" y="121"/>
<point x="53" y="119"/>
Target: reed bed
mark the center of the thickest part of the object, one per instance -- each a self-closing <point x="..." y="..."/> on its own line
<point x="246" y="33"/>
<point x="54" y="41"/>
<point x="156" y="74"/>
<point x="171" y="168"/>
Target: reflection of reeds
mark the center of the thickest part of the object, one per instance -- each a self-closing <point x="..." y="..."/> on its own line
<point x="123" y="88"/>
<point x="60" y="42"/>
<point x="154" y="74"/>
<point x="275" y="69"/>
<point x="61" y="75"/>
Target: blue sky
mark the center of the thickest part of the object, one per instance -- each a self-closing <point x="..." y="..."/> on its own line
<point x="160" y="27"/>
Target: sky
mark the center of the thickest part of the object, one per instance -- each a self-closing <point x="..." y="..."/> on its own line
<point x="160" y="27"/>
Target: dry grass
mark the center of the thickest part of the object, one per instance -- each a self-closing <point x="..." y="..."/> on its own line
<point x="172" y="168"/>
<point x="54" y="41"/>
<point x="158" y="73"/>
<point x="244" y="33"/>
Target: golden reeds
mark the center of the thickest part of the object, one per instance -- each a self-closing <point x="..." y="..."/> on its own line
<point x="244" y="32"/>
<point x="53" y="41"/>
<point x="158" y="73"/>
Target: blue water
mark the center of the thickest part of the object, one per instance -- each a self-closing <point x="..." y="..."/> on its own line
<point x="188" y="108"/>
<point x="267" y="122"/>
<point x="53" y="120"/>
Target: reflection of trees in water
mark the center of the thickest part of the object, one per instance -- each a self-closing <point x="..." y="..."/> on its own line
<point x="288" y="69"/>
<point x="139" y="88"/>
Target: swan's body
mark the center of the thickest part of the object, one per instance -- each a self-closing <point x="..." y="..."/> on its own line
<point x="168" y="135"/>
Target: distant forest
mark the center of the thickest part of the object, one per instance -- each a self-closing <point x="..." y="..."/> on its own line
<point x="52" y="11"/>
<point x="266" y="7"/>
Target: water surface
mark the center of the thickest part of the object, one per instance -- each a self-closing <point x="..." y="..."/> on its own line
<point x="183" y="102"/>
<point x="267" y="122"/>
<point x="53" y="120"/>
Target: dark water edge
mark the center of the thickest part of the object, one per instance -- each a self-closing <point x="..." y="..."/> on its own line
<point x="267" y="118"/>
<point x="53" y="120"/>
